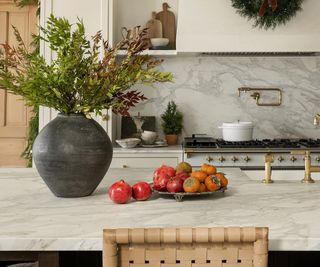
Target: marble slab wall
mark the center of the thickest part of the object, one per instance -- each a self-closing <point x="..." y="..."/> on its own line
<point x="205" y="89"/>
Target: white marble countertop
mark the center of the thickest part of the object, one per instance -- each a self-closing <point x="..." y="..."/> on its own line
<point x="146" y="150"/>
<point x="31" y="218"/>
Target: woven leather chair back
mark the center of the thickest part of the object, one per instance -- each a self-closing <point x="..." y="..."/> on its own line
<point x="186" y="247"/>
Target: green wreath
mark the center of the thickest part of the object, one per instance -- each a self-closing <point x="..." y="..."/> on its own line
<point x="268" y="13"/>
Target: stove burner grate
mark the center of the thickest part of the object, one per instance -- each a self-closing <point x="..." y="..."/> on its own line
<point x="310" y="142"/>
<point x="208" y="142"/>
<point x="265" y="143"/>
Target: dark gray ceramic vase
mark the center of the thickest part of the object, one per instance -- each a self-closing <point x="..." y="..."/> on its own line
<point x="72" y="154"/>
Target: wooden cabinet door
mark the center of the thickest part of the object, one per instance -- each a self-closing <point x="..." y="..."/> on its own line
<point x="14" y="115"/>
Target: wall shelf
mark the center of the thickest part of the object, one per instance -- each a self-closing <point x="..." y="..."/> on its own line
<point x="153" y="52"/>
<point x="131" y="13"/>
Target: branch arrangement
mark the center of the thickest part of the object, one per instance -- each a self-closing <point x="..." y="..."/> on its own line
<point x="79" y="79"/>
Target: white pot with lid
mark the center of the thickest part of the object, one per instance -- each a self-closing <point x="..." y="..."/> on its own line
<point x="237" y="131"/>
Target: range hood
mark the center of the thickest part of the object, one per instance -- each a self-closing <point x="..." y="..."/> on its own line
<point x="214" y="27"/>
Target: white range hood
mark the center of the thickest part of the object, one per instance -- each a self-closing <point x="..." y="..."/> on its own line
<point x="214" y="26"/>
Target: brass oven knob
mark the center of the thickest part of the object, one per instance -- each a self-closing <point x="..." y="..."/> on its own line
<point x="221" y="159"/>
<point x="318" y="158"/>
<point x="234" y="159"/>
<point x="293" y="158"/>
<point x="246" y="159"/>
<point x="209" y="158"/>
<point x="280" y="159"/>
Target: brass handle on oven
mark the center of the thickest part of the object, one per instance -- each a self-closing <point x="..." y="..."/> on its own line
<point x="298" y="152"/>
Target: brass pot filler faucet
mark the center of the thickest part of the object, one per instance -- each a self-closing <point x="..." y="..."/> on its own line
<point x="256" y="95"/>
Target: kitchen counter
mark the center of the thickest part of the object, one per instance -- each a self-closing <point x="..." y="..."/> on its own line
<point x="168" y="149"/>
<point x="33" y="219"/>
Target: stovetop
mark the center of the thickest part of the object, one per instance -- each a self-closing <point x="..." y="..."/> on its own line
<point x="200" y="142"/>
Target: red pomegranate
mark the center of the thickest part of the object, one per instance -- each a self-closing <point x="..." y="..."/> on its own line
<point x="160" y="182"/>
<point x="182" y="175"/>
<point x="166" y="170"/>
<point x="141" y="191"/>
<point x="175" y="185"/>
<point x="120" y="192"/>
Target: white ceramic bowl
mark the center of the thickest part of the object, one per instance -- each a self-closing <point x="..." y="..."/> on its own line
<point x="159" y="42"/>
<point x="148" y="137"/>
<point x="237" y="131"/>
<point x="128" y="142"/>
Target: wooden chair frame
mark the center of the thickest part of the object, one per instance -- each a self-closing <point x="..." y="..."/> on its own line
<point x="186" y="247"/>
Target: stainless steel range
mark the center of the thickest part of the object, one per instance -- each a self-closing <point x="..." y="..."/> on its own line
<point x="199" y="149"/>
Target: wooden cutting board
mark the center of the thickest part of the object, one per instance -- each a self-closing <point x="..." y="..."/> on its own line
<point x="154" y="27"/>
<point x="168" y="21"/>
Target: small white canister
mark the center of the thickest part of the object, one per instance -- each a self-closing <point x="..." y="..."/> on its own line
<point x="237" y="131"/>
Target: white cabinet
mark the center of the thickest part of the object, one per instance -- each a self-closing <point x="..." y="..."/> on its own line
<point x="144" y="161"/>
<point x="146" y="157"/>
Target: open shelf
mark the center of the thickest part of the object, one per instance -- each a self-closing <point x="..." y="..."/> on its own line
<point x="153" y="52"/>
<point x="131" y="13"/>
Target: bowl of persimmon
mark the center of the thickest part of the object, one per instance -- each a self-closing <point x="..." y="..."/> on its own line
<point x="184" y="181"/>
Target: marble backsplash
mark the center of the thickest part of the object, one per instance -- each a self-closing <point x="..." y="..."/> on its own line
<point x="205" y="89"/>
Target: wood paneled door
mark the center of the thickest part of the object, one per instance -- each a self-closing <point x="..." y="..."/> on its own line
<point x="14" y="115"/>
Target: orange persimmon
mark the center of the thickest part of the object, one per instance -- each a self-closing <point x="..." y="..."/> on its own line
<point x="200" y="175"/>
<point x="208" y="169"/>
<point x="223" y="179"/>
<point x="202" y="188"/>
<point x="212" y="183"/>
<point x="191" y="185"/>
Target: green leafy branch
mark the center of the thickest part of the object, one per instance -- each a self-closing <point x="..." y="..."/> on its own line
<point x="23" y="3"/>
<point x="78" y="80"/>
<point x="33" y="126"/>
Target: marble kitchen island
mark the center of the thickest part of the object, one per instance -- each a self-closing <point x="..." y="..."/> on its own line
<point x="32" y="219"/>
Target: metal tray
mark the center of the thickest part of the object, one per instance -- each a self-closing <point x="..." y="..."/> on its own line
<point x="179" y="196"/>
<point x="154" y="146"/>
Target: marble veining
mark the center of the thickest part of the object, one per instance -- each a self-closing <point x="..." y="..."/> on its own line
<point x="33" y="219"/>
<point x="205" y="88"/>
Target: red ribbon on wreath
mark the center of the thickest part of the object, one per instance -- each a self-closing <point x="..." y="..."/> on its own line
<point x="265" y="5"/>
